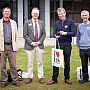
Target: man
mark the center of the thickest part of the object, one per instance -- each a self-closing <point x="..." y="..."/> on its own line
<point x="8" y="47"/>
<point x="83" y="43"/>
<point x="34" y="35"/>
<point x="64" y="28"/>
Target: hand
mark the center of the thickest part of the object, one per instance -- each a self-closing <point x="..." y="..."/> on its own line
<point x="57" y="36"/>
<point x="62" y="33"/>
<point x="34" y="44"/>
<point x="16" y="50"/>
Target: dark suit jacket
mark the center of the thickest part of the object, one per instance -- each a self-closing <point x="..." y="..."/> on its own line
<point x="28" y="34"/>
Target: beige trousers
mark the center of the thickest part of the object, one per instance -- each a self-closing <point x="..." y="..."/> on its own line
<point x="39" y="56"/>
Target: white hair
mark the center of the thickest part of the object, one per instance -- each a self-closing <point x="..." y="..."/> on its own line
<point x="85" y="12"/>
<point x="35" y="10"/>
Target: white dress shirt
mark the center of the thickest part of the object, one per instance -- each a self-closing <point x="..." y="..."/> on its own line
<point x="38" y="28"/>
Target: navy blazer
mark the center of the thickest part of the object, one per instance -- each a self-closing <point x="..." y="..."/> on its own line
<point x="66" y="26"/>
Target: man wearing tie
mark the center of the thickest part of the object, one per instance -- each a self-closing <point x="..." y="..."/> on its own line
<point x="34" y="34"/>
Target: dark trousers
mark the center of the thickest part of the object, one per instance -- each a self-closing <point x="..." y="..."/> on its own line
<point x="67" y="54"/>
<point x="9" y="54"/>
<point x="84" y="55"/>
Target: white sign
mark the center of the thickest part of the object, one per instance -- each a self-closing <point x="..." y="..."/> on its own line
<point x="79" y="73"/>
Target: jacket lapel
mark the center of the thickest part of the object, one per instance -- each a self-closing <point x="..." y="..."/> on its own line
<point x="31" y="26"/>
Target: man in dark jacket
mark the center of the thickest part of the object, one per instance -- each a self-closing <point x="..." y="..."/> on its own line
<point x="65" y="29"/>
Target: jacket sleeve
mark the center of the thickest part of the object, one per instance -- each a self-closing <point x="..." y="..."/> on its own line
<point x="78" y="37"/>
<point x="72" y="31"/>
<point x="17" y="41"/>
<point x="55" y="30"/>
<point x="43" y="33"/>
<point x="25" y="33"/>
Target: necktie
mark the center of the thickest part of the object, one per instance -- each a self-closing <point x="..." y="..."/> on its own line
<point x="36" y="31"/>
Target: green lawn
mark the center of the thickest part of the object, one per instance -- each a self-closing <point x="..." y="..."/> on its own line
<point x="35" y="85"/>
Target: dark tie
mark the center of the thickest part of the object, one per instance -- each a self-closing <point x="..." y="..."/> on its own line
<point x="36" y="31"/>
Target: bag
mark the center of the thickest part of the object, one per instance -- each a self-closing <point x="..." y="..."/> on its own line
<point x="79" y="73"/>
<point x="9" y="76"/>
<point x="57" y="58"/>
<point x="19" y="75"/>
<point x="57" y="55"/>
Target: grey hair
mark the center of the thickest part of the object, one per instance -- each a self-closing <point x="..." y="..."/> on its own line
<point x="35" y="8"/>
<point x="61" y="9"/>
<point x="85" y="11"/>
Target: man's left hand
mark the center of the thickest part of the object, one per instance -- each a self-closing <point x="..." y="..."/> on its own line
<point x="62" y="33"/>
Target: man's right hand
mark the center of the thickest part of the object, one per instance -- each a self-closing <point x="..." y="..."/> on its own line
<point x="34" y="44"/>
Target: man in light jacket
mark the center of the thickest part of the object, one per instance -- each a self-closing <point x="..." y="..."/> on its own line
<point x="8" y="47"/>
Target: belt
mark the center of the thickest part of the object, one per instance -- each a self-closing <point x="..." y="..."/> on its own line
<point x="8" y="43"/>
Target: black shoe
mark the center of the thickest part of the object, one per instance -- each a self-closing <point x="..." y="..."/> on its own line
<point x="82" y="81"/>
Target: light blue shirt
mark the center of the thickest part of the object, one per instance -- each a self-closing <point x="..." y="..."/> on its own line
<point x="83" y="36"/>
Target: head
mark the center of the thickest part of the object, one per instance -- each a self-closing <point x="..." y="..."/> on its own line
<point x="85" y="16"/>
<point x="61" y="13"/>
<point x="35" y="13"/>
<point x="6" y="12"/>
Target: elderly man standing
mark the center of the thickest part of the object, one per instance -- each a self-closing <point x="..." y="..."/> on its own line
<point x="83" y="43"/>
<point x="34" y="35"/>
<point x="8" y="47"/>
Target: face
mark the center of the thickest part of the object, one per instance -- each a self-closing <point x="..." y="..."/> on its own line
<point x="35" y="14"/>
<point x="62" y="15"/>
<point x="6" y="13"/>
<point x="85" y="16"/>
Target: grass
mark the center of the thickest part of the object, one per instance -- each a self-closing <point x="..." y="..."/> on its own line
<point x="35" y="85"/>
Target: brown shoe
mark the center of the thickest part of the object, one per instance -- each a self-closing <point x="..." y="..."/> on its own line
<point x="4" y="84"/>
<point x="41" y="80"/>
<point x="51" y="82"/>
<point x="16" y="84"/>
<point x="68" y="82"/>
<point x="29" y="80"/>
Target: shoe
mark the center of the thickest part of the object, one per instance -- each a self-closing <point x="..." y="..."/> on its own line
<point x="51" y="82"/>
<point x="4" y="84"/>
<point x="82" y="81"/>
<point x="29" y="80"/>
<point x="68" y="82"/>
<point x="41" y="80"/>
<point x="16" y="83"/>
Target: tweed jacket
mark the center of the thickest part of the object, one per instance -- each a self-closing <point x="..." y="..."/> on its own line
<point x="14" y="35"/>
<point x="28" y="34"/>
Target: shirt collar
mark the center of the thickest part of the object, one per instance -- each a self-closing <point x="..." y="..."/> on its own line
<point x="86" y="23"/>
<point x="63" y="21"/>
<point x="6" y="21"/>
<point x="34" y="20"/>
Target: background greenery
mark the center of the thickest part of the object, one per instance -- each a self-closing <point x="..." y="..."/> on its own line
<point x="35" y="85"/>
